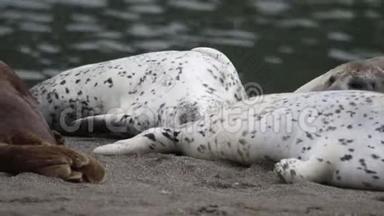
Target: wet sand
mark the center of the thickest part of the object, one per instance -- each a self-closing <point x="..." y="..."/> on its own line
<point x="157" y="184"/>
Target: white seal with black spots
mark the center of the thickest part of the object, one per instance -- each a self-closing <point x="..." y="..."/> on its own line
<point x="365" y="75"/>
<point x="330" y="137"/>
<point x="128" y="95"/>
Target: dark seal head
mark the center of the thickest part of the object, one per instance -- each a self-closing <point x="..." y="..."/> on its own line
<point x="19" y="114"/>
<point x="26" y="142"/>
<point x="356" y="75"/>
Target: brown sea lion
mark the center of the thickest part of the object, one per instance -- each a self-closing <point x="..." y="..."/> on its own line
<point x="28" y="145"/>
<point x="356" y="75"/>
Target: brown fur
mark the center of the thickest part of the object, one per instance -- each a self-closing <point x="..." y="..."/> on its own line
<point x="28" y="145"/>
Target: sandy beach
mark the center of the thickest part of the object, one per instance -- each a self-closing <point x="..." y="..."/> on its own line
<point x="158" y="184"/>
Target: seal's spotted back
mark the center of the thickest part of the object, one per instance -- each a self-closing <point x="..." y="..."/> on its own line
<point x="166" y="88"/>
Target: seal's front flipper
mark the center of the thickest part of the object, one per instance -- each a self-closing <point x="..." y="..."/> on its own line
<point x="119" y="125"/>
<point x="161" y="140"/>
<point x="293" y="170"/>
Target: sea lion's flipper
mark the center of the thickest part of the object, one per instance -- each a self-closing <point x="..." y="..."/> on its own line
<point x="53" y="161"/>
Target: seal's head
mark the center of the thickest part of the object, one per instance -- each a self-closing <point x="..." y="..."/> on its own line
<point x="357" y="75"/>
<point x="361" y="75"/>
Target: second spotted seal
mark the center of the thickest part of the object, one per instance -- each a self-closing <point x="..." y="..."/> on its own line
<point x="128" y="95"/>
<point x="331" y="137"/>
<point x="365" y="75"/>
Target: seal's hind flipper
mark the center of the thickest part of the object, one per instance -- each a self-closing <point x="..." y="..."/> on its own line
<point x="293" y="170"/>
<point x="216" y="54"/>
<point x="119" y="125"/>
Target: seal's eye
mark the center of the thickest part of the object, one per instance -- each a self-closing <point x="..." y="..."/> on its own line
<point x="373" y="85"/>
<point x="357" y="84"/>
<point x="331" y="80"/>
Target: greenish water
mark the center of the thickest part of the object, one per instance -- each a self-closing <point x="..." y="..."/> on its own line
<point x="280" y="44"/>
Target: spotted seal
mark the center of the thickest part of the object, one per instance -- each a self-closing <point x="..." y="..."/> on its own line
<point x="126" y="96"/>
<point x="28" y="145"/>
<point x="356" y="75"/>
<point x="331" y="137"/>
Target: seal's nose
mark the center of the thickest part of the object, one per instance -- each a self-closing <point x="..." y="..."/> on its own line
<point x="360" y="84"/>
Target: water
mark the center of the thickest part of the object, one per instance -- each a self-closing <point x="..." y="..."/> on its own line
<point x="279" y="44"/>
